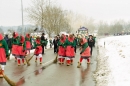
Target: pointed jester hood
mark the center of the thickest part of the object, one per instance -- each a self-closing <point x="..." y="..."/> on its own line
<point x="63" y="38"/>
<point x="22" y="39"/>
<point x="1" y="37"/>
<point x="28" y="35"/>
<point x="38" y="41"/>
<point x="71" y="38"/>
<point x="15" y="34"/>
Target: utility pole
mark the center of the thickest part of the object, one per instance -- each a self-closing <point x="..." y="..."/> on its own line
<point x="22" y="17"/>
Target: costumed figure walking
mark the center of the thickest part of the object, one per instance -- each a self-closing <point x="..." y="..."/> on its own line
<point x="15" y="43"/>
<point x="70" y="53"/>
<point x="85" y="51"/>
<point x="21" y="51"/>
<point x="28" y="43"/>
<point x="38" y="49"/>
<point x="61" y="49"/>
<point x="3" y="54"/>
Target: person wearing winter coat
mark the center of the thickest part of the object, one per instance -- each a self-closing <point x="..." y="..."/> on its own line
<point x="43" y="44"/>
<point x="38" y="49"/>
<point x="50" y="41"/>
<point x="70" y="53"/>
<point x="91" y="42"/>
<point x="61" y="49"/>
<point x="6" y="38"/>
<point x="55" y="43"/>
<point x="94" y="37"/>
<point x="3" y="54"/>
<point x="75" y="39"/>
<point x="46" y="42"/>
<point x="85" y="52"/>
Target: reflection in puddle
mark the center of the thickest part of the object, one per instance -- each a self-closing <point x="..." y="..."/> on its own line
<point x="39" y="71"/>
<point x="21" y="81"/>
<point x="84" y="72"/>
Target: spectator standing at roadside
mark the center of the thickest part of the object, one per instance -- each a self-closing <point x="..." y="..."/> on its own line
<point x="55" y="43"/>
<point x="6" y="38"/>
<point x="43" y="42"/>
<point x="46" y="42"/>
<point x="50" y="41"/>
<point x="91" y="42"/>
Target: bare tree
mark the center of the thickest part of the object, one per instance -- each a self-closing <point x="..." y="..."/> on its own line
<point x="90" y="24"/>
<point x="36" y="12"/>
<point x="49" y="17"/>
<point x="10" y="30"/>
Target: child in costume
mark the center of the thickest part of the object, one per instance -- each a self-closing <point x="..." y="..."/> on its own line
<point x="28" y="43"/>
<point x="38" y="49"/>
<point x="15" y="43"/>
<point x="21" y="51"/>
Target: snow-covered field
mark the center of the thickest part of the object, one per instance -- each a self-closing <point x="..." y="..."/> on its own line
<point x="113" y="61"/>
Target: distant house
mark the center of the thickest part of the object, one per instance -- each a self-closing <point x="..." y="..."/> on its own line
<point x="82" y="30"/>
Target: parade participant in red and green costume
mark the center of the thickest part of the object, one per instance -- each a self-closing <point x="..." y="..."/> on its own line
<point x="3" y="54"/>
<point x="15" y="43"/>
<point x="28" y="43"/>
<point x="38" y="49"/>
<point x="70" y="53"/>
<point x="21" y="51"/>
<point x="61" y="49"/>
<point x="85" y="51"/>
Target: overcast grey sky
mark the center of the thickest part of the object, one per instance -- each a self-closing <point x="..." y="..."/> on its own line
<point x="107" y="10"/>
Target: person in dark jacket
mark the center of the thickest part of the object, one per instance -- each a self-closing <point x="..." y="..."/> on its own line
<point x="75" y="39"/>
<point x="91" y="42"/>
<point x="50" y="41"/>
<point x="9" y="42"/>
<point x="43" y="44"/>
<point x="10" y="45"/>
<point x="55" y="43"/>
<point x="6" y="38"/>
<point x="46" y="42"/>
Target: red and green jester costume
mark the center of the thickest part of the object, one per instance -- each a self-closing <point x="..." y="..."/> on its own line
<point x="3" y="54"/>
<point x="21" y="50"/>
<point x="70" y="53"/>
<point x="85" y="52"/>
<point x="38" y="49"/>
<point x="28" y="43"/>
<point x="61" y="49"/>
<point x="15" y="43"/>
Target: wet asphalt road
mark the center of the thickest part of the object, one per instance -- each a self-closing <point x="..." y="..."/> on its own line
<point x="53" y="74"/>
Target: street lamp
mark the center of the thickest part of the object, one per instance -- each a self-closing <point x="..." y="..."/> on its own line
<point x="22" y="17"/>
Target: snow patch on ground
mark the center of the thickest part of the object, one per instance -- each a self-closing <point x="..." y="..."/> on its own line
<point x="113" y="62"/>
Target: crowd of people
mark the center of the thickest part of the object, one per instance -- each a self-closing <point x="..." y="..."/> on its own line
<point x="64" y="45"/>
